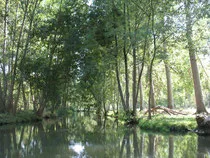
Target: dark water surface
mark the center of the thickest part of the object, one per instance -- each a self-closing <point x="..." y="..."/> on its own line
<point x="82" y="136"/>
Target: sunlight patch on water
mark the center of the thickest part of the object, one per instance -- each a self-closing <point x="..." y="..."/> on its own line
<point x="76" y="147"/>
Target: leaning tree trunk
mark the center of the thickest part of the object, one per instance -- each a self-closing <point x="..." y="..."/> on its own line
<point x="196" y="79"/>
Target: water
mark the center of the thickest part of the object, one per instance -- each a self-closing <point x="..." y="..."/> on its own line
<point x="84" y="137"/>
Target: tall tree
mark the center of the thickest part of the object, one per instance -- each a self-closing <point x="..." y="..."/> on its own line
<point x="125" y="53"/>
<point x="151" y="91"/>
<point x="193" y="61"/>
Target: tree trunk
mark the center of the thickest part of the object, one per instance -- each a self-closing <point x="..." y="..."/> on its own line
<point x="193" y="61"/>
<point x="169" y="86"/>
<point x="14" y="74"/>
<point x="151" y="93"/>
<point x="4" y="51"/>
<point x="133" y="45"/>
<point x="126" y="62"/>
<point x="139" y="84"/>
<point x="24" y="97"/>
<point x="2" y="108"/>
<point x="118" y="76"/>
<point x="141" y="96"/>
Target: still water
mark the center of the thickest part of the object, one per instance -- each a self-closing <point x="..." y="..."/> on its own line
<point x="81" y="136"/>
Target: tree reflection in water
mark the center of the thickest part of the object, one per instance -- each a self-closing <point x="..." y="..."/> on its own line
<point x="82" y="136"/>
<point x="203" y="147"/>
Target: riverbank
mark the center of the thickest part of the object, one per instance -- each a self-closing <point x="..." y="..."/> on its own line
<point x="168" y="123"/>
<point x="158" y="123"/>
<point x="20" y="117"/>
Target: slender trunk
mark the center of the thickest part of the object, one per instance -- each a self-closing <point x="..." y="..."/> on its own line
<point x="28" y="39"/>
<point x="153" y="58"/>
<point x="134" y="82"/>
<point x="193" y="61"/>
<point x="126" y="61"/>
<point x="152" y="95"/>
<point x="167" y="69"/>
<point x="133" y="44"/>
<point x="41" y="108"/>
<point x="15" y="104"/>
<point x="2" y="105"/>
<point x="141" y="96"/>
<point x="33" y="99"/>
<point x="104" y="99"/>
<point x="118" y="76"/>
<point x="24" y="97"/>
<point x="14" y="74"/>
<point x="98" y="113"/>
<point x="117" y="103"/>
<point x="169" y="86"/>
<point x="142" y="66"/>
<point x="4" y="51"/>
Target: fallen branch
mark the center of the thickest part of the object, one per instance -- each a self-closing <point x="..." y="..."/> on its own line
<point x="166" y="110"/>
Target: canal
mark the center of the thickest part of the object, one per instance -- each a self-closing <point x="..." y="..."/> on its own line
<point x="82" y="136"/>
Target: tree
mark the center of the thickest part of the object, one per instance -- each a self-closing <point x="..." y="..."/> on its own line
<point x="169" y="86"/>
<point x="193" y="61"/>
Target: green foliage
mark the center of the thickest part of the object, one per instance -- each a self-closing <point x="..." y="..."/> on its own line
<point x="63" y="111"/>
<point x="20" y="117"/>
<point x="169" y="123"/>
<point x="26" y="116"/>
<point x="67" y="51"/>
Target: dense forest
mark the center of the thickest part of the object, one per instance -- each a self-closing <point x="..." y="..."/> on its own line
<point x="119" y="55"/>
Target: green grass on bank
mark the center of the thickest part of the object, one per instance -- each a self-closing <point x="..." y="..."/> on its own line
<point x="20" y="117"/>
<point x="167" y="123"/>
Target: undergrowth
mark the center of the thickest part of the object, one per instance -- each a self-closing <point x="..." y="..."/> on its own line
<point x="165" y="123"/>
<point x="20" y="117"/>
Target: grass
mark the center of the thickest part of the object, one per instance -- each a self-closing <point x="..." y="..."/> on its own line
<point x="20" y="117"/>
<point x="166" y="123"/>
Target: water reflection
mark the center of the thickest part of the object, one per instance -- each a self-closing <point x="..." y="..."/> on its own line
<point x="82" y="136"/>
